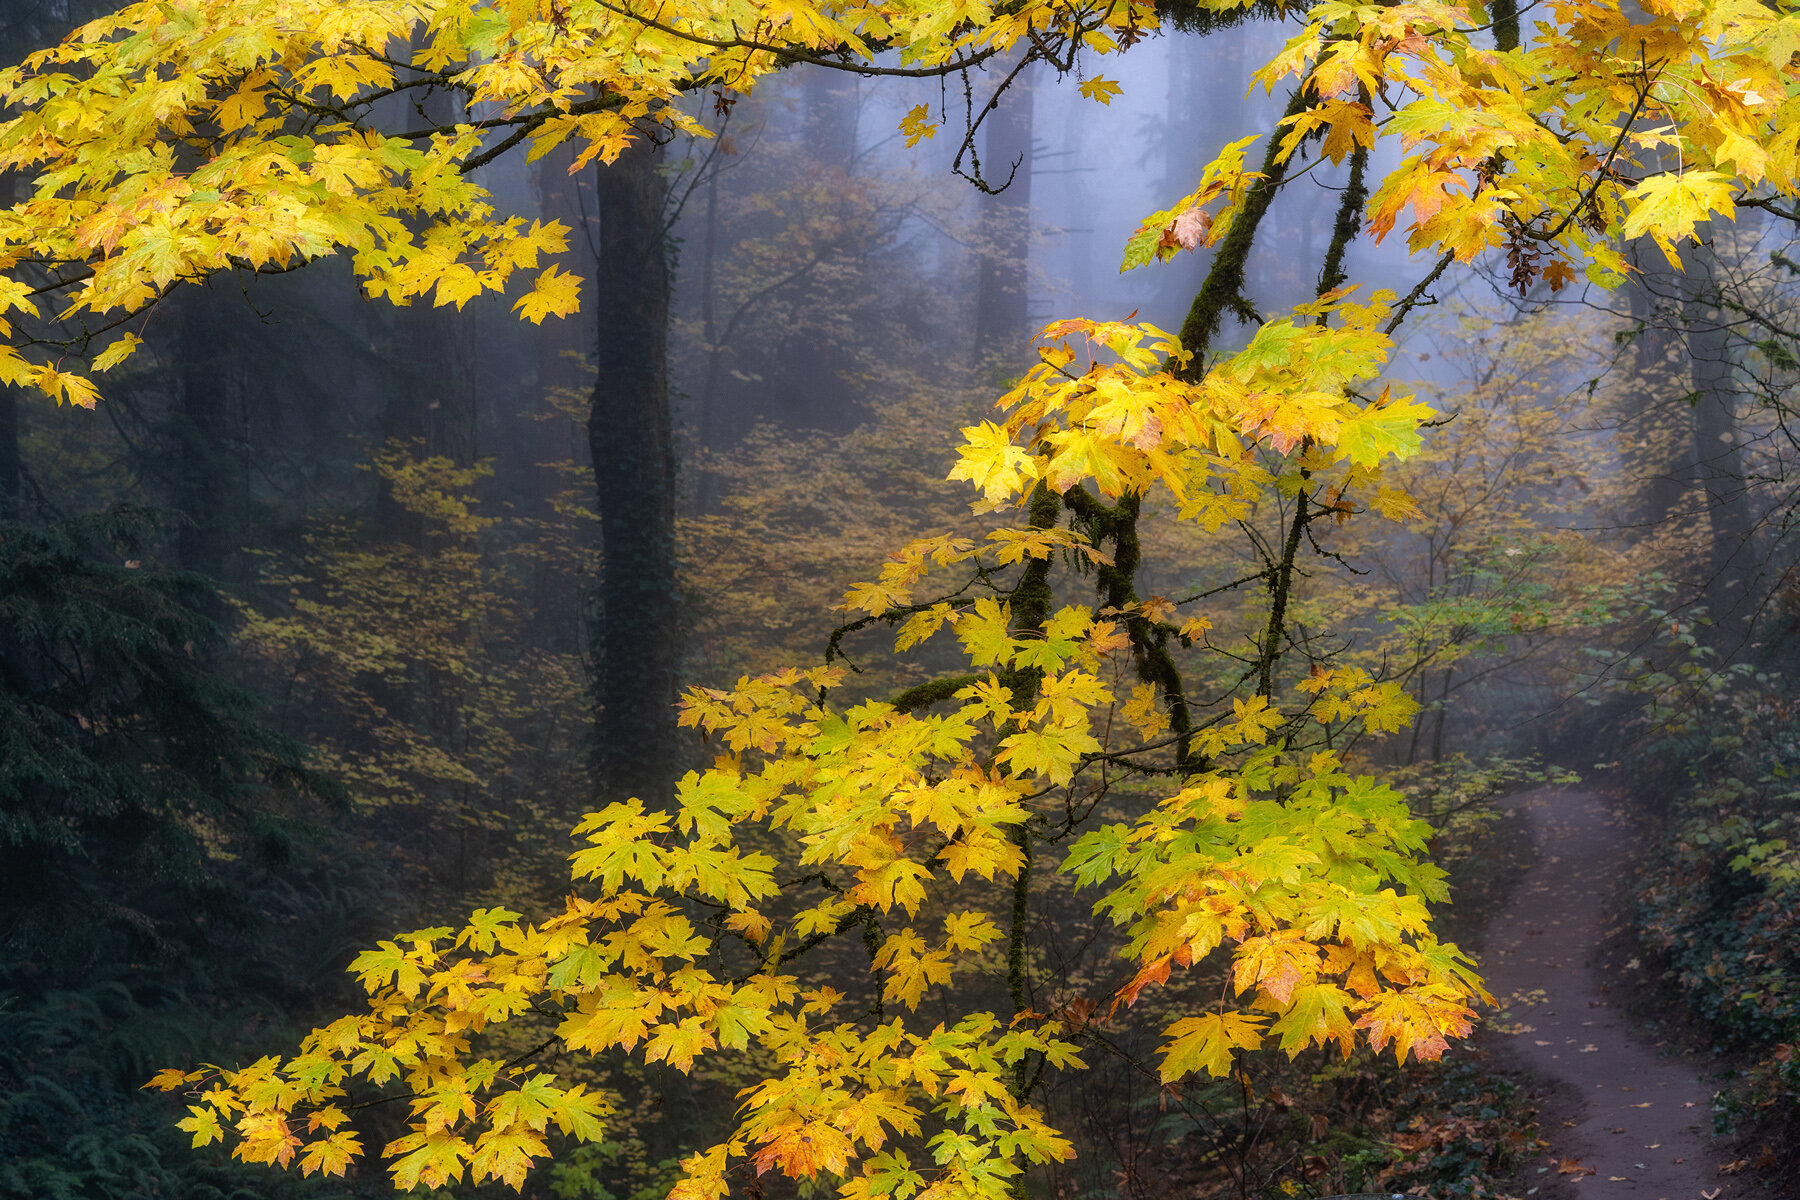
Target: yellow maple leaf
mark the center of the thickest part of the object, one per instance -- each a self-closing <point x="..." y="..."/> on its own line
<point x="917" y="125"/>
<point x="1100" y="88"/>
<point x="556" y="293"/>
<point x="1206" y="1042"/>
<point x="1666" y="207"/>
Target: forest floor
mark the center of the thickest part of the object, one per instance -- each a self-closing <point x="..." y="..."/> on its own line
<point x="1623" y="1116"/>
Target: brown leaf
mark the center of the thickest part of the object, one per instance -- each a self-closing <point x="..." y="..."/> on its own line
<point x="1190" y="227"/>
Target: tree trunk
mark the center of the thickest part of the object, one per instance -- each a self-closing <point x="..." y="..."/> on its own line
<point x="11" y="477"/>
<point x="1718" y="466"/>
<point x="1653" y="442"/>
<point x="714" y="429"/>
<point x="831" y="103"/>
<point x="1002" y="321"/>
<point x="813" y="386"/>
<point x="565" y="351"/>
<point x="210" y="484"/>
<point x="430" y="410"/>
<point x="632" y="442"/>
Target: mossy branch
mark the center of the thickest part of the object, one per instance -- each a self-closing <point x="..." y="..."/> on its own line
<point x="1117" y="584"/>
<point x="1349" y="220"/>
<point x="1224" y="285"/>
<point x="934" y="691"/>
<point x="1505" y="15"/>
<point x="1281" y="586"/>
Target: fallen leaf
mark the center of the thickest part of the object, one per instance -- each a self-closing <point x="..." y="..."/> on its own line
<point x="1615" y="1179"/>
<point x="1571" y="1166"/>
<point x="1590" y="1048"/>
<point x="1645" y="1104"/>
<point x="1654" y="1146"/>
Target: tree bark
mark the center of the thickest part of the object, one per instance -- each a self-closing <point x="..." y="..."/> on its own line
<point x="1718" y="461"/>
<point x="210" y="482"/>
<point x="11" y="476"/>
<point x="632" y="442"/>
<point x="1653" y="443"/>
<point x="565" y="350"/>
<point x="831" y="101"/>
<point x="431" y="404"/>
<point x="1002" y="319"/>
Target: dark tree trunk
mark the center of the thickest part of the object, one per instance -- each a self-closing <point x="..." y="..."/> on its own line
<point x="813" y="387"/>
<point x="11" y="476"/>
<point x="1653" y="442"/>
<point x="714" y="426"/>
<point x="831" y="102"/>
<point x="208" y="470"/>
<point x="565" y="351"/>
<point x="632" y="442"/>
<point x="1002" y="320"/>
<point x="1730" y="586"/>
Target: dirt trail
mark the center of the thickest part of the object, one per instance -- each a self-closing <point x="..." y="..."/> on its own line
<point x="1644" y="1118"/>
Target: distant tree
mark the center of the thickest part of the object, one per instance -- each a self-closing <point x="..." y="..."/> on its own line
<point x="631" y="440"/>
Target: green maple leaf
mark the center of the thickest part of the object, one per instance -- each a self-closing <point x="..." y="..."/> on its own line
<point x="1315" y="1013"/>
<point x="1375" y="433"/>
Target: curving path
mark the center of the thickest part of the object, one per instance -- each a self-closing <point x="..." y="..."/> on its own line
<point x="1642" y="1119"/>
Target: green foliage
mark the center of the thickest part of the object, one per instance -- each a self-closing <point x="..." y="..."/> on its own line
<point x="124" y="758"/>
<point x="156" y="873"/>
<point x="1718" y="914"/>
